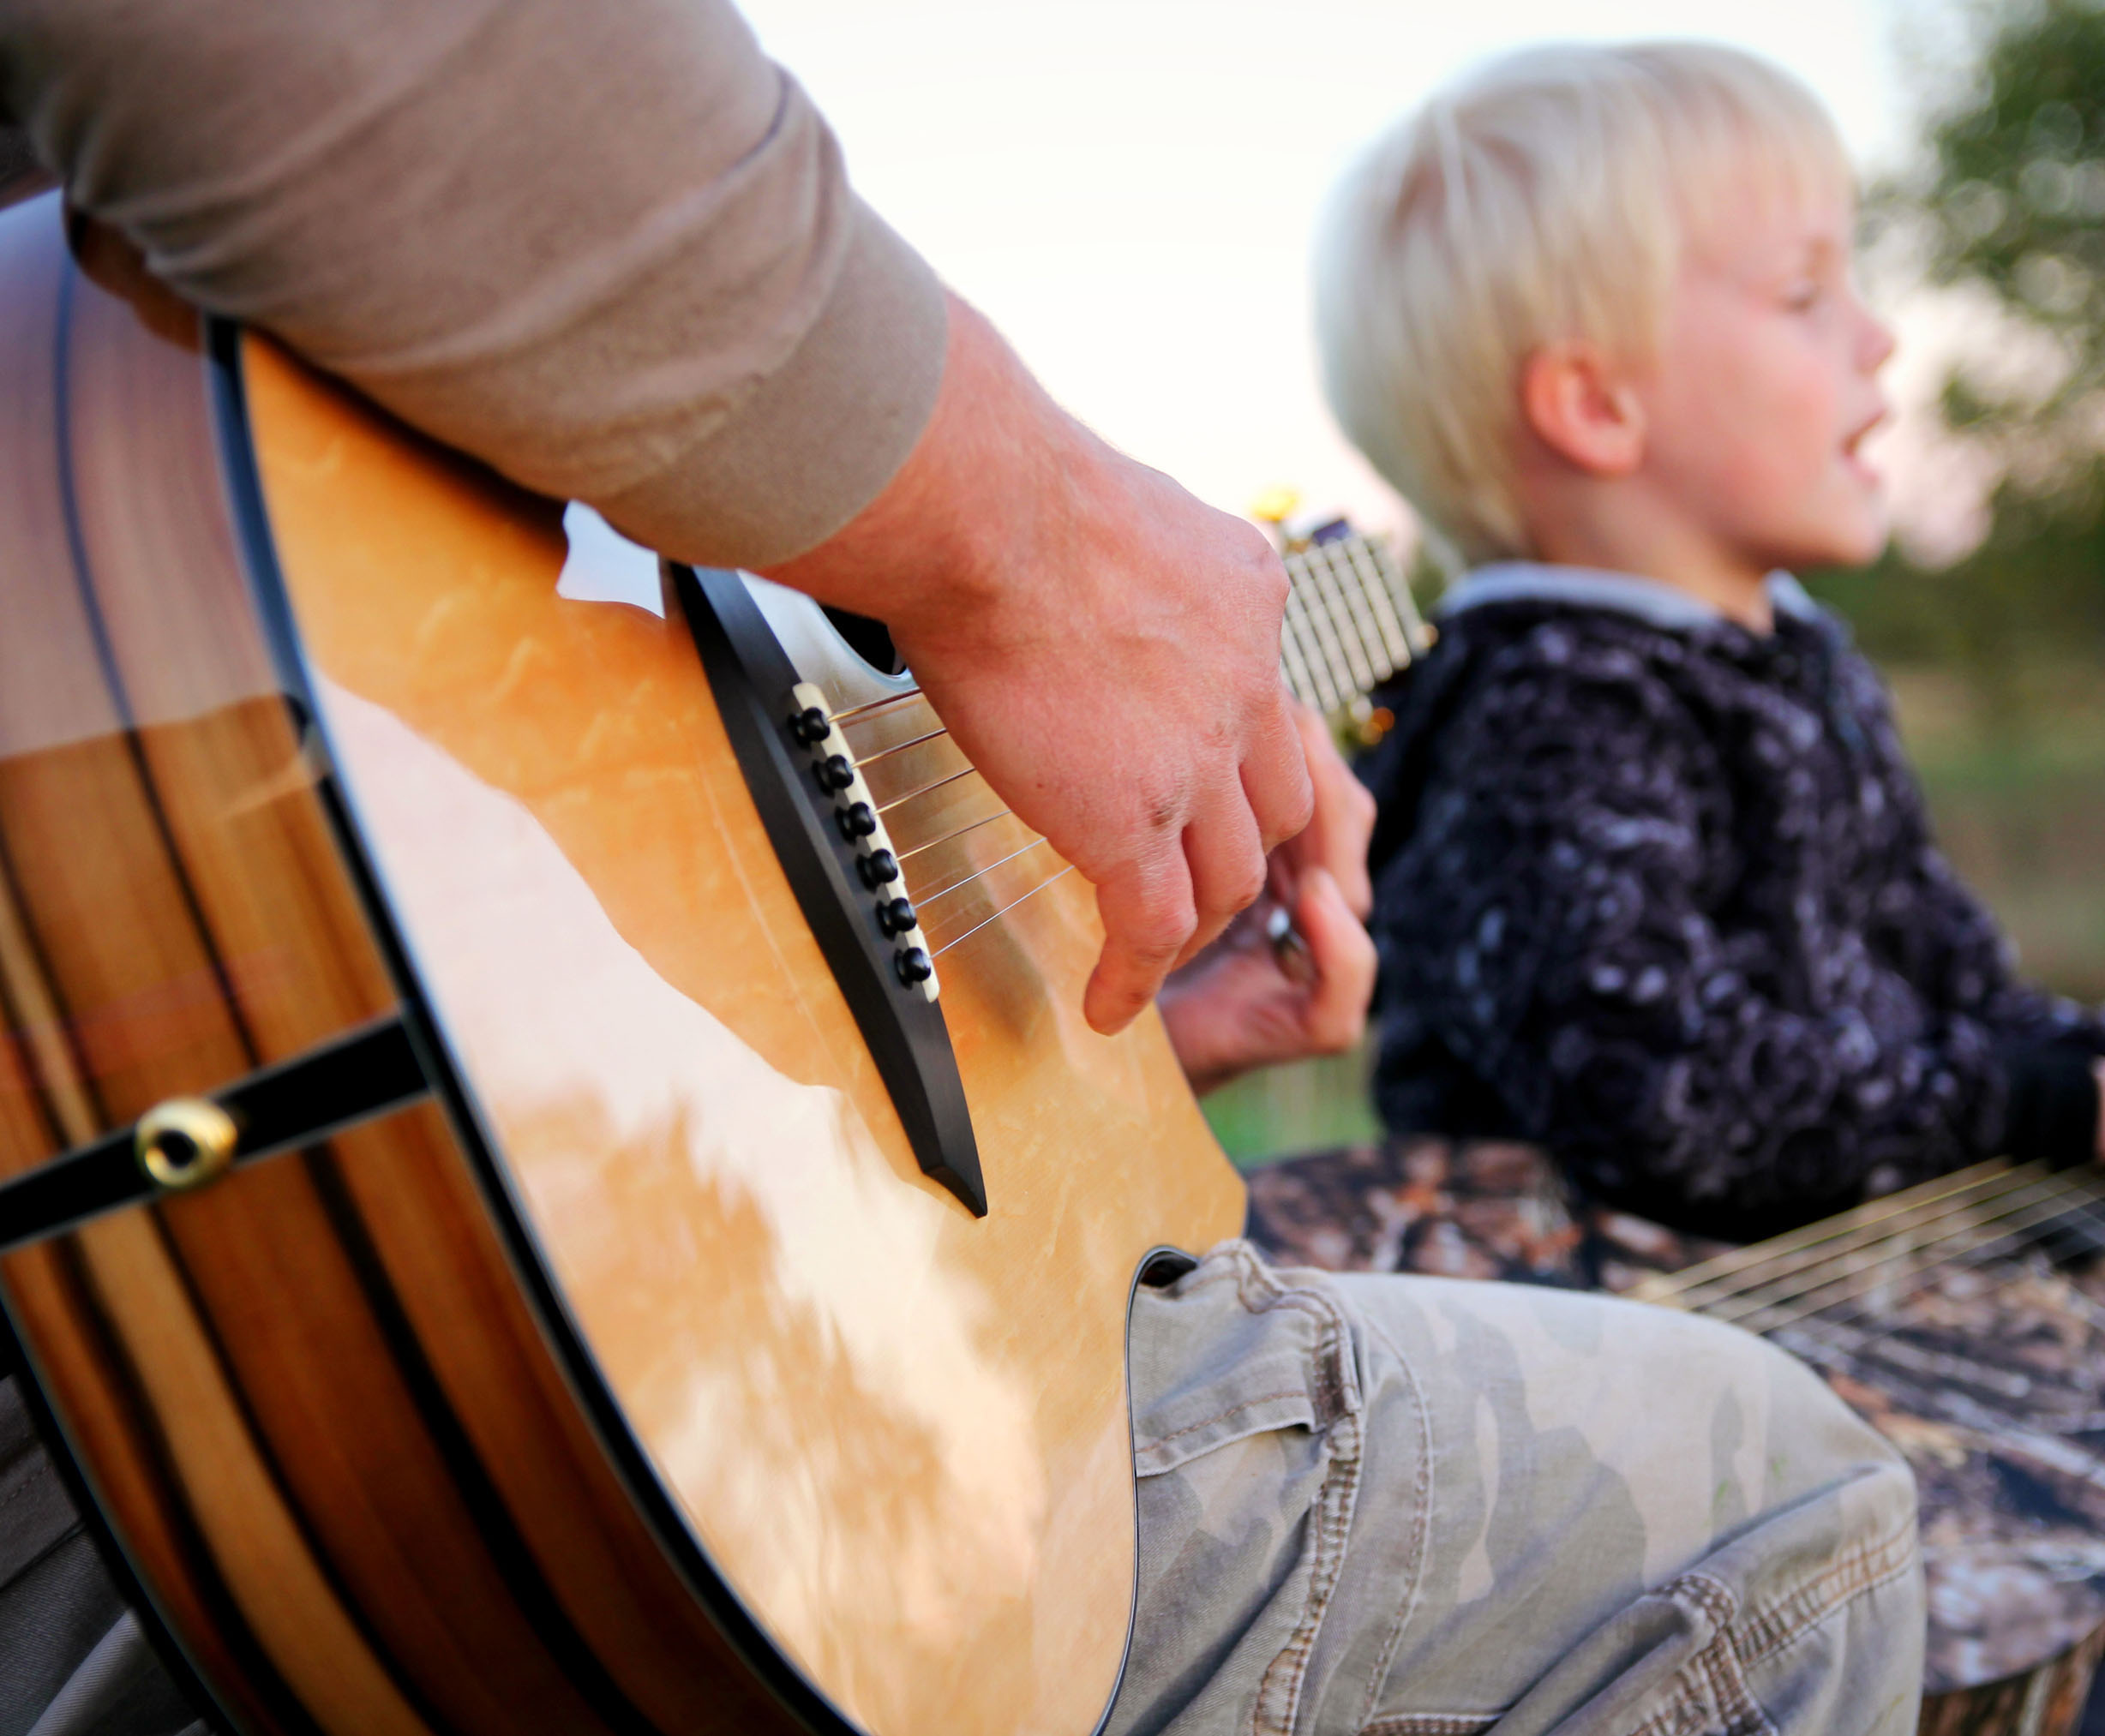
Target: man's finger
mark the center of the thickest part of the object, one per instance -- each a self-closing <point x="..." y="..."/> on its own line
<point x="1149" y="916"/>
<point x="1226" y="864"/>
<point x="1337" y="836"/>
<point x="1344" y="956"/>
<point x="1275" y="775"/>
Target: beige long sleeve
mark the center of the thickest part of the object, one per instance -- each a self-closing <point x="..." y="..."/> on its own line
<point x="604" y="245"/>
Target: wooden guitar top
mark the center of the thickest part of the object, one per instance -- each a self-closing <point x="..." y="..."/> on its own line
<point x="900" y="1433"/>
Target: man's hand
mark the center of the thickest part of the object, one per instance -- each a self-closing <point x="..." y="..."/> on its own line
<point x="1243" y="1004"/>
<point x="1103" y="648"/>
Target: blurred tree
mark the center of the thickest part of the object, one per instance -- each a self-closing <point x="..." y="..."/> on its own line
<point x="2010" y="201"/>
<point x="2006" y="202"/>
<point x="1996" y="657"/>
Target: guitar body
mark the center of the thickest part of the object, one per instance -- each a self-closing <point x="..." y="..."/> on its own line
<point x="640" y="1378"/>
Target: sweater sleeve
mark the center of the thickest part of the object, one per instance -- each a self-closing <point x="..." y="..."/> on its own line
<point x="611" y="251"/>
<point x="1555" y="924"/>
<point x="1945" y="941"/>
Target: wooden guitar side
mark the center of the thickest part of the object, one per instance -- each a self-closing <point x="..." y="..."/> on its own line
<point x="346" y="1439"/>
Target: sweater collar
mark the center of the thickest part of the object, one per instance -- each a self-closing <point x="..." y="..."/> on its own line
<point x="1623" y="593"/>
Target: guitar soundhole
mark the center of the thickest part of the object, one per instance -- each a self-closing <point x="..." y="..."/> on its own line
<point x="869" y="640"/>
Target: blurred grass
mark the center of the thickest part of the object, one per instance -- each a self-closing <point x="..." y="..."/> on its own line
<point x="1285" y="1111"/>
<point x="2021" y="813"/>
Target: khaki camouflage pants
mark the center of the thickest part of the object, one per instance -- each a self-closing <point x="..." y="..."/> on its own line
<point x="1414" y="1507"/>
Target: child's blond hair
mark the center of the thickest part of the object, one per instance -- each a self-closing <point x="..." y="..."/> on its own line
<point x="1544" y="199"/>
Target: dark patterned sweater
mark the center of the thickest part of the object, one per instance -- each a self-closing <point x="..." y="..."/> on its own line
<point x="1659" y="892"/>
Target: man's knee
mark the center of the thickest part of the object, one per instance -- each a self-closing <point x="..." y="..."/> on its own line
<point x="1698" y="1426"/>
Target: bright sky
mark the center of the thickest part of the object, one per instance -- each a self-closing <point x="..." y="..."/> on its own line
<point x="1129" y="187"/>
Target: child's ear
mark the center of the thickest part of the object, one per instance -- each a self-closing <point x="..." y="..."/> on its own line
<point x="1583" y="408"/>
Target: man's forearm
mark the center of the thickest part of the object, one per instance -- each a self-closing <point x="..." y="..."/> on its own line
<point x="610" y="251"/>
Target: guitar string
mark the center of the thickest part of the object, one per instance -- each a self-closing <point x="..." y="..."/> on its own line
<point x="926" y="788"/>
<point x="2061" y="1211"/>
<point x="1849" y="1293"/>
<point x="1778" y="1268"/>
<point x="928" y="898"/>
<point x="1854" y="1316"/>
<point x="910" y="795"/>
<point x="1862" y="1331"/>
<point x="901" y="800"/>
<point x="2006" y="1192"/>
<point x="1004" y="911"/>
<point x="1815" y="1243"/>
<point x="898" y="747"/>
<point x="867" y="712"/>
<point x="2064" y="1201"/>
<point x="2060" y="1208"/>
<point x="869" y="707"/>
<point x="974" y="826"/>
<point x="1866" y="1331"/>
<point x="866" y="759"/>
<point x="874" y="705"/>
<point x="2018" y="1211"/>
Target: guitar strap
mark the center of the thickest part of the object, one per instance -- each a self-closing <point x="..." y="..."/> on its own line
<point x="186" y="1143"/>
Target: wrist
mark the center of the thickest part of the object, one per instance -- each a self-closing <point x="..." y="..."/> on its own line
<point x="955" y="536"/>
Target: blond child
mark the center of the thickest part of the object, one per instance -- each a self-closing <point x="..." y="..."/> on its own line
<point x="1654" y="885"/>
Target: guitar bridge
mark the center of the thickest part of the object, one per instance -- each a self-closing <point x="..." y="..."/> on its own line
<point x="830" y="840"/>
<point x="860" y="822"/>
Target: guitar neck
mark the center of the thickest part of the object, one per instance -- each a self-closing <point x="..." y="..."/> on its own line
<point x="1350" y="623"/>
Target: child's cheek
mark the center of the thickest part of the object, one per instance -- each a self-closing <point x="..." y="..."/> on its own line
<point x="1804" y="397"/>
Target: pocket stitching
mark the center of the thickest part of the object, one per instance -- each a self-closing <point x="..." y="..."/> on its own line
<point x="1279" y="1689"/>
<point x="1422" y="1496"/>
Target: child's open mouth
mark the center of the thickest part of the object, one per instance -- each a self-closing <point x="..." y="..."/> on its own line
<point x="1852" y="453"/>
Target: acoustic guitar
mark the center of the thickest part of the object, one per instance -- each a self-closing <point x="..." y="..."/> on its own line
<point x="556" y="1179"/>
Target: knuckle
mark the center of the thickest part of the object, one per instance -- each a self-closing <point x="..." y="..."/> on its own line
<point x="1264" y="574"/>
<point x="1155" y="929"/>
<point x="1298" y="809"/>
<point x="1237" y="890"/>
<point x="1257" y="547"/>
<point x="1153" y="953"/>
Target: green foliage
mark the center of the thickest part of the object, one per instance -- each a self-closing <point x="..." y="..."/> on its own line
<point x="1996" y="658"/>
<point x="2032" y="596"/>
<point x="2007" y="200"/>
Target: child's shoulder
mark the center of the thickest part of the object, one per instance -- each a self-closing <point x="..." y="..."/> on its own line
<point x="1548" y="654"/>
<point x="1521" y="635"/>
<point x="1524" y="693"/>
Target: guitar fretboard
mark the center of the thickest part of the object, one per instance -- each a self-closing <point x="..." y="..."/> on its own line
<point x="1350" y="622"/>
